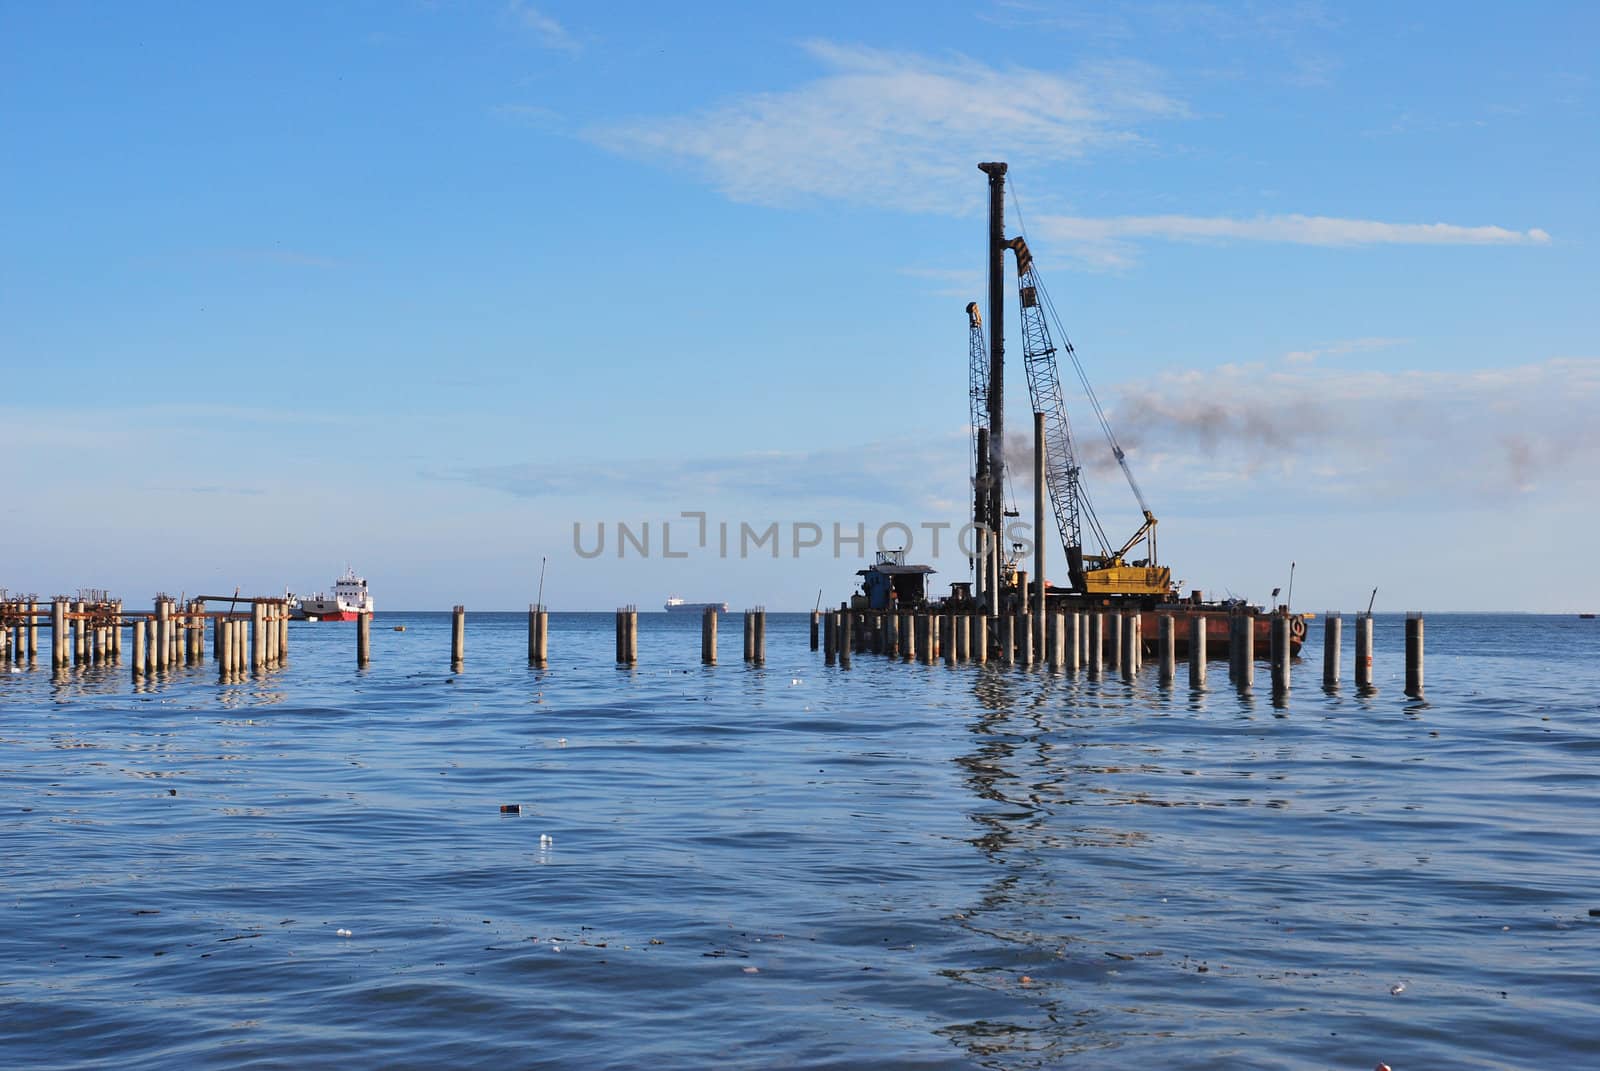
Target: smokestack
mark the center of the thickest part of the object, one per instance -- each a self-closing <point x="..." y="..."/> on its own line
<point x="997" y="361"/>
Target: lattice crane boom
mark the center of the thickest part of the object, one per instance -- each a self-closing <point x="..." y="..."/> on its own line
<point x="978" y="388"/>
<point x="1067" y="497"/>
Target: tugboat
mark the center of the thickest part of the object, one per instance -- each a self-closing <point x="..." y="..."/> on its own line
<point x="890" y="584"/>
<point x="349" y="600"/>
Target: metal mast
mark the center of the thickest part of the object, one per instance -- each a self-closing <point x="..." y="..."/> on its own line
<point x="978" y="400"/>
<point x="978" y="383"/>
<point x="997" y="372"/>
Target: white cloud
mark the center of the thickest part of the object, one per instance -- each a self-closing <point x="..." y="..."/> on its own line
<point x="950" y="282"/>
<point x="897" y="129"/>
<point x="1339" y="349"/>
<point x="857" y="473"/>
<point x="544" y="29"/>
<point x="1108" y="241"/>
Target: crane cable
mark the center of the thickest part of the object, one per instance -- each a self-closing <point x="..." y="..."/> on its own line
<point x="1084" y="502"/>
<point x="1083" y="378"/>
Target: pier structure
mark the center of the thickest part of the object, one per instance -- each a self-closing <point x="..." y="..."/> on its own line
<point x="1280" y="656"/>
<point x="1414" y="656"/>
<point x="251" y="635"/>
<point x="755" y="635"/>
<point x="539" y="635"/>
<point x="1363" y="658"/>
<point x="1332" y="628"/>
<point x="1197" y="652"/>
<point x="1245" y="671"/>
<point x="87" y="630"/>
<point x="628" y="634"/>
<point x="708" y="636"/>
<point x="1168" y="629"/>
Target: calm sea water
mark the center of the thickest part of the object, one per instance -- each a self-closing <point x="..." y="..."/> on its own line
<point x="800" y="866"/>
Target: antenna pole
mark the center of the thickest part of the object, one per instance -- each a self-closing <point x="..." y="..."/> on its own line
<point x="542" y="560"/>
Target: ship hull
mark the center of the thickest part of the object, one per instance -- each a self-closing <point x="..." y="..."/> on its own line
<point x="301" y="614"/>
<point x="1219" y="638"/>
<point x="1218" y="628"/>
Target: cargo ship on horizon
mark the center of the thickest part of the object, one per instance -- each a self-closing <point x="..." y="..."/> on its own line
<point x="676" y="605"/>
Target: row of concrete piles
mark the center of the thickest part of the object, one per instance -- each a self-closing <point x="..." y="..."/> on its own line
<point x="19" y="629"/>
<point x="248" y="640"/>
<point x="1097" y="642"/>
<point x="1332" y="632"/>
<point x="1066" y="640"/>
<point x="627" y="636"/>
<point x="755" y="636"/>
<point x="88" y="631"/>
<point x="538" y="633"/>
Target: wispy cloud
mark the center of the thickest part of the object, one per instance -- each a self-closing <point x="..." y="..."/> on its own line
<point x="1292" y="38"/>
<point x="1341" y="348"/>
<point x="544" y="29"/>
<point x="950" y="282"/>
<point x="897" y="129"/>
<point x="867" y="473"/>
<point x="1110" y="241"/>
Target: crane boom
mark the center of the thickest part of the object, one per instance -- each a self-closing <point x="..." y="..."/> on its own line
<point x="978" y="391"/>
<point x="978" y="388"/>
<point x="1106" y="572"/>
<point x="1044" y="390"/>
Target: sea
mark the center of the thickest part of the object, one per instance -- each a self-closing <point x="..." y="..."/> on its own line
<point x="794" y="865"/>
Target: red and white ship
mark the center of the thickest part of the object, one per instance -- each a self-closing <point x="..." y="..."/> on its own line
<point x="349" y="599"/>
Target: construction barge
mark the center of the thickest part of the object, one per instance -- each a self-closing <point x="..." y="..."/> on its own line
<point x="1122" y="578"/>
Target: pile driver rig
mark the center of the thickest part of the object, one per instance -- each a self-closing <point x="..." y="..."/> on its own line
<point x="1107" y="572"/>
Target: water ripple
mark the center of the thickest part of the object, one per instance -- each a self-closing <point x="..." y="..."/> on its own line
<point x="798" y="865"/>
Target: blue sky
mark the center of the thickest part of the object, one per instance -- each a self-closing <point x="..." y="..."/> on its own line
<point x="422" y="286"/>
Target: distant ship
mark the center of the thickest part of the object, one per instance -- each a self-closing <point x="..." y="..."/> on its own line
<point x="676" y="605"/>
<point x="349" y="600"/>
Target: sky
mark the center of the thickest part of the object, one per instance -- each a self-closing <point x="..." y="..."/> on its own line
<point x="436" y="290"/>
